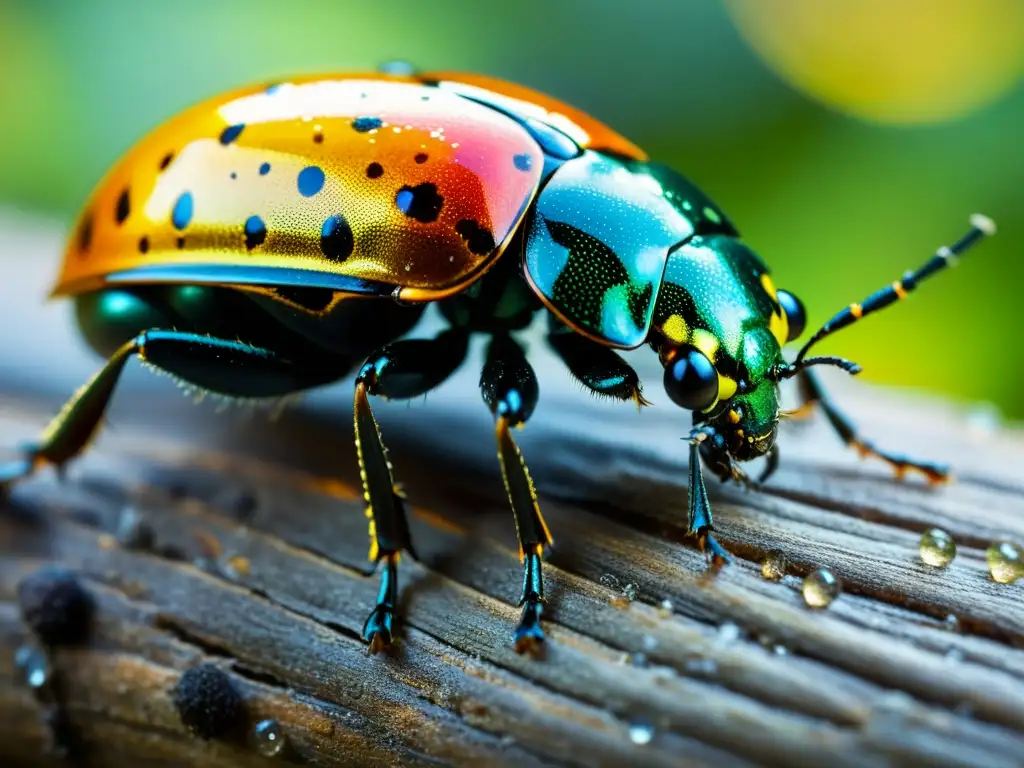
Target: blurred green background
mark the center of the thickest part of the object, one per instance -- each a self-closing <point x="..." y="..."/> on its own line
<point x="848" y="138"/>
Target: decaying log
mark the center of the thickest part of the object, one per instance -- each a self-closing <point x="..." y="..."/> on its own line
<point x="258" y="566"/>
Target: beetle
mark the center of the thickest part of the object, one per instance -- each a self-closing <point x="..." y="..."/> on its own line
<point x="281" y="236"/>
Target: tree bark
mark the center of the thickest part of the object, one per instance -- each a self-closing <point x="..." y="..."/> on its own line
<point x="911" y="665"/>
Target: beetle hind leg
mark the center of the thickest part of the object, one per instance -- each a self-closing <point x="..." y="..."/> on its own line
<point x="509" y="387"/>
<point x="813" y="394"/>
<point x="232" y="368"/>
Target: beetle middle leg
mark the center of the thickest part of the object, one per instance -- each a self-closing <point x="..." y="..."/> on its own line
<point x="398" y="371"/>
<point x="229" y="367"/>
<point x="813" y="394"/>
<point x="509" y="387"/>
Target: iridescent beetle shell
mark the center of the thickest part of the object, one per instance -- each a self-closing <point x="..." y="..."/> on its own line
<point x="393" y="185"/>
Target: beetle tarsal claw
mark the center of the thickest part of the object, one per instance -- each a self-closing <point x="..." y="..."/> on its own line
<point x="713" y="551"/>
<point x="935" y="474"/>
<point x="529" y="636"/>
<point x="377" y="629"/>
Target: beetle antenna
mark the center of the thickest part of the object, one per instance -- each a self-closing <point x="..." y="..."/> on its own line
<point x="946" y="256"/>
<point x="780" y="372"/>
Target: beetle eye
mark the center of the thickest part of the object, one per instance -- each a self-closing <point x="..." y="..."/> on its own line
<point x="795" y="314"/>
<point x="691" y="381"/>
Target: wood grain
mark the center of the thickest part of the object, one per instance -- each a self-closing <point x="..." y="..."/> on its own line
<point x="882" y="677"/>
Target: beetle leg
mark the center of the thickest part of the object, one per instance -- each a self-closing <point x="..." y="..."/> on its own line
<point x="401" y="370"/>
<point x="699" y="519"/>
<point x="221" y="365"/>
<point x="771" y="464"/>
<point x="597" y="367"/>
<point x="509" y="387"/>
<point x="814" y="394"/>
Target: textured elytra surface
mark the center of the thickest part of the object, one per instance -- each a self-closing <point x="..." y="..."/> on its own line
<point x="393" y="182"/>
<point x="740" y="673"/>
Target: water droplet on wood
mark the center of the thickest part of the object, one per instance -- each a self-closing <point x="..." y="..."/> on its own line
<point x="937" y="548"/>
<point x="821" y="587"/>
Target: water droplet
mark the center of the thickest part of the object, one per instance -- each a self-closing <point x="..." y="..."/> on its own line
<point x="780" y="650"/>
<point x="34" y="668"/>
<point x="235" y="567"/>
<point x="629" y="592"/>
<point x="937" y="548"/>
<point x="774" y="565"/>
<point x="133" y="532"/>
<point x="952" y="623"/>
<point x="610" y="581"/>
<point x="728" y="632"/>
<point x="705" y="667"/>
<point x="637" y="659"/>
<point x="650" y="643"/>
<point x="821" y="587"/>
<point x="1004" y="562"/>
<point x="666" y="609"/>
<point x="641" y="731"/>
<point x="954" y="655"/>
<point x="268" y="738"/>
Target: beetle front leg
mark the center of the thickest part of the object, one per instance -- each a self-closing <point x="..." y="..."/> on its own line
<point x="813" y="394"/>
<point x="401" y="370"/>
<point x="699" y="519"/>
<point x="509" y="387"/>
<point x="597" y="367"/>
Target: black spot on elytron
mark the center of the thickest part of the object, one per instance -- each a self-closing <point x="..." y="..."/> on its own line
<point x="312" y="299"/>
<point x="522" y="161"/>
<point x="166" y="161"/>
<point x="255" y="232"/>
<point x="143" y="244"/>
<point x="123" y="208"/>
<point x="85" y="233"/>
<point x="181" y="243"/>
<point x="336" y="240"/>
<point x="478" y="239"/>
<point x="421" y="157"/>
<point x="421" y="202"/>
<point x="181" y="215"/>
<point x="234" y="175"/>
<point x="264" y="169"/>
<point x="374" y="170"/>
<point x="364" y="124"/>
<point x="318" y="137"/>
<point x="231" y="133"/>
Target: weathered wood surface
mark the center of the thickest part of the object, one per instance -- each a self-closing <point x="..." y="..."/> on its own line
<point x="880" y="678"/>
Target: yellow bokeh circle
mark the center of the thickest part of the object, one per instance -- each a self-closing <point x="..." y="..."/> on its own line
<point x="894" y="61"/>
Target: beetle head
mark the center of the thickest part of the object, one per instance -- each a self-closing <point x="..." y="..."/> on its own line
<point x="748" y="422"/>
<point x="744" y="414"/>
